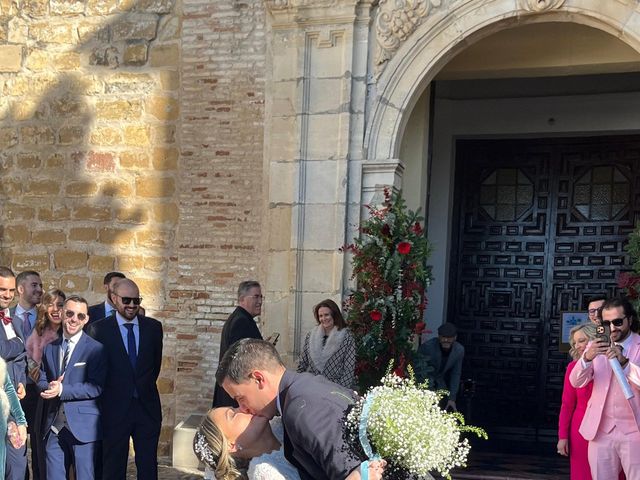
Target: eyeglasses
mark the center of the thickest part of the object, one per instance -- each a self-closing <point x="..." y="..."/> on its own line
<point x="616" y="322"/>
<point x="128" y="300"/>
<point x="70" y="314"/>
<point x="593" y="311"/>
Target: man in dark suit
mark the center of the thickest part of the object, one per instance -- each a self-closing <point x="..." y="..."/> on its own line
<point x="130" y="403"/>
<point x="13" y="352"/>
<point x="104" y="309"/>
<point x="72" y="376"/>
<point x="240" y="324"/>
<point x="445" y="355"/>
<point x="313" y="410"/>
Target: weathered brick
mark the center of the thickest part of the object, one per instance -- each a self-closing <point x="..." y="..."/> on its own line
<point x="10" y="58"/>
<point x="48" y="237"/>
<point x="8" y="137"/>
<point x="55" y="160"/>
<point x="105" y="136"/>
<point x="164" y="55"/>
<point x="37" y="135"/>
<point x="135" y="27"/>
<point x="163" y="108"/>
<point x="170" y="80"/>
<point x="155" y="264"/>
<point x="17" y="234"/>
<point x="34" y="8"/>
<point x="116" y="188"/>
<point x="155" y="187"/>
<point x="53" y="214"/>
<point x="84" y="188"/>
<point x="135" y="53"/>
<point x="101" y="162"/>
<point x="69" y="259"/>
<point x="14" y="211"/>
<point x="134" y="160"/>
<point x="28" y="160"/>
<point x="166" y="212"/>
<point x="49" y="32"/>
<point x="74" y="283"/>
<point x="115" y="236"/>
<point x="136" y="215"/>
<point x="165" y="385"/>
<point x="136" y="135"/>
<point x="101" y="7"/>
<point x="150" y="287"/>
<point x="129" y="83"/>
<point x="101" y="263"/>
<point x="119" y="109"/>
<point x="83" y="234"/>
<point x="72" y="135"/>
<point x="151" y="239"/>
<point x="87" y="212"/>
<point x="165" y="158"/>
<point x="32" y="261"/>
<point x="129" y="263"/>
<point x="66" y="7"/>
<point x="41" y="187"/>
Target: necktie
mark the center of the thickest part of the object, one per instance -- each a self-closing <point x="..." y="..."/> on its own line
<point x="5" y="319"/>
<point x="26" y="325"/>
<point x="66" y="344"/>
<point x="131" y="345"/>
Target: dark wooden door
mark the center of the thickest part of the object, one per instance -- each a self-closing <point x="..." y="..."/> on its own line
<point x="540" y="228"/>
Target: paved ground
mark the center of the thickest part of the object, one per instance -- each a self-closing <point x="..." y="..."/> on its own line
<point x="166" y="472"/>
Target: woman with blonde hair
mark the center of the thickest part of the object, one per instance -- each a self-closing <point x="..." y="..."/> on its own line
<point x="574" y="405"/>
<point x="227" y="440"/>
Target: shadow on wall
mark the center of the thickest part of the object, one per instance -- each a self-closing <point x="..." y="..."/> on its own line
<point x="89" y="163"/>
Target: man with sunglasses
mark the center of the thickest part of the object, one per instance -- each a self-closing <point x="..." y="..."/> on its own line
<point x="130" y="402"/>
<point x="612" y="423"/>
<point x="72" y="377"/>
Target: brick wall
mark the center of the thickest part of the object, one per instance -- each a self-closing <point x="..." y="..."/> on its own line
<point x="131" y="139"/>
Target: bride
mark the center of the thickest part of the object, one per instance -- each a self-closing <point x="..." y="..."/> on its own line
<point x="228" y="438"/>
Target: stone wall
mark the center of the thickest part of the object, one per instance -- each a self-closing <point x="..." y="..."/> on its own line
<point x="131" y="139"/>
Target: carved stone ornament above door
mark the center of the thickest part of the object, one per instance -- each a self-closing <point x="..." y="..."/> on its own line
<point x="292" y="4"/>
<point x="396" y="21"/>
<point x="540" y="5"/>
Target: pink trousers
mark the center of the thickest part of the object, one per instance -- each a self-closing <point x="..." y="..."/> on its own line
<point x="609" y="453"/>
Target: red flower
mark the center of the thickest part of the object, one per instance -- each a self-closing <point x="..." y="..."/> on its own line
<point x="404" y="248"/>
<point x="417" y="229"/>
<point x="418" y="329"/>
<point x="375" y="315"/>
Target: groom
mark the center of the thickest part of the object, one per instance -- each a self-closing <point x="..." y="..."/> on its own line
<point x="313" y="410"/>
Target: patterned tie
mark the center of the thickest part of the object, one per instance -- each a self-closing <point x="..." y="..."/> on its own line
<point x="131" y="345"/>
<point x="26" y="325"/>
<point x="66" y="348"/>
<point x="5" y="318"/>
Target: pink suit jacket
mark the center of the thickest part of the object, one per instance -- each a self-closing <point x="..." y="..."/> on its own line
<point x="602" y="376"/>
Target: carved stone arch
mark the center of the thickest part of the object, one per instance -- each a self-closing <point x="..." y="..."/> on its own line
<point x="442" y="34"/>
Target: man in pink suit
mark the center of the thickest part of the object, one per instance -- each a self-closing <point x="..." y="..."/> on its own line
<point x="611" y="423"/>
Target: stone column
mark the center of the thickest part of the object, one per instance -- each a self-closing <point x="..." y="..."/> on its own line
<point x="316" y="77"/>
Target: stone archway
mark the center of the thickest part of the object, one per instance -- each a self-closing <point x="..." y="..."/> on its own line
<point x="416" y="39"/>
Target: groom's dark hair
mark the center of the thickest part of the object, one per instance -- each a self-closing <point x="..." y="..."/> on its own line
<point x="245" y="356"/>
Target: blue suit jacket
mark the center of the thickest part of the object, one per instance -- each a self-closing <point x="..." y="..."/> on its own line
<point x="13" y="351"/>
<point x="449" y="377"/>
<point x="82" y="384"/>
<point x="122" y="381"/>
<point x="313" y="416"/>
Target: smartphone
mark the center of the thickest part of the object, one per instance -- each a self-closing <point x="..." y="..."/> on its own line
<point x="603" y="333"/>
<point x="274" y="337"/>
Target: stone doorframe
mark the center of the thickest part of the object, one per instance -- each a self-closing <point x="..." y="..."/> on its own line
<point x="341" y="84"/>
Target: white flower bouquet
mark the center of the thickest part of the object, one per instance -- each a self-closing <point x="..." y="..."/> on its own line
<point x="402" y="423"/>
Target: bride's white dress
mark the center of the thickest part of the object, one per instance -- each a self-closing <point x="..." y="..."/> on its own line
<point x="270" y="466"/>
<point x="273" y="466"/>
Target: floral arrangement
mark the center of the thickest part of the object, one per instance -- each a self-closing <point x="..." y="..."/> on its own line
<point x="391" y="272"/>
<point x="406" y="427"/>
<point x="630" y="281"/>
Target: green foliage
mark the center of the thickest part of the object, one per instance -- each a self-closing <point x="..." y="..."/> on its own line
<point x="391" y="271"/>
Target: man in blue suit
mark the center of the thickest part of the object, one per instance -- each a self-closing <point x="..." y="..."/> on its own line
<point x="13" y="352"/>
<point x="73" y="372"/>
<point x="131" y="402"/>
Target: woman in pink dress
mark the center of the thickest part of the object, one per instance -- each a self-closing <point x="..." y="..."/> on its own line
<point x="574" y="404"/>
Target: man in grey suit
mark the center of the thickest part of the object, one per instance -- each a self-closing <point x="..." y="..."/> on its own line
<point x="313" y="410"/>
<point x="445" y="356"/>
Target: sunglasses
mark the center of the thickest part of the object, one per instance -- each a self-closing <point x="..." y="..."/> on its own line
<point x="128" y="300"/>
<point x="616" y="322"/>
<point x="70" y="314"/>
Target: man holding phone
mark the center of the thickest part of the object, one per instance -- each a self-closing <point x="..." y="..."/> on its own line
<point x="612" y="423"/>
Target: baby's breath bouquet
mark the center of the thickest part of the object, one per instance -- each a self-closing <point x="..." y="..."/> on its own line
<point x="404" y="425"/>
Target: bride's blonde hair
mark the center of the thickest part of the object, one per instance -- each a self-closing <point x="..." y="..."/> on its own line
<point x="212" y="448"/>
